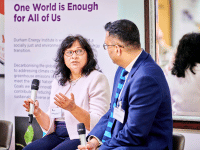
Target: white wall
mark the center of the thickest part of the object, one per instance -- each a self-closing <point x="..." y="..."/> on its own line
<point x="191" y="138"/>
<point x="133" y="10"/>
<point x="2" y="98"/>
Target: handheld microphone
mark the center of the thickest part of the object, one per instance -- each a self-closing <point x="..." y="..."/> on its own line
<point x="81" y="132"/>
<point x="34" y="89"/>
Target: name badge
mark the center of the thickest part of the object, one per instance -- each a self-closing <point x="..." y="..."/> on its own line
<point x="56" y="113"/>
<point x="119" y="114"/>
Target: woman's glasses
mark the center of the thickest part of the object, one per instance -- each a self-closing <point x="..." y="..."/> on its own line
<point x="78" y="52"/>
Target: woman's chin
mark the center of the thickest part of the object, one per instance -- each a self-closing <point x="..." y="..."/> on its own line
<point x="75" y="69"/>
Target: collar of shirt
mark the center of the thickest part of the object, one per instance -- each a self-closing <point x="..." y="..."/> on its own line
<point x="129" y="67"/>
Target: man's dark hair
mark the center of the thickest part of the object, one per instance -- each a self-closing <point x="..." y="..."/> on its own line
<point x="62" y="71"/>
<point x="187" y="55"/>
<point x="124" y="30"/>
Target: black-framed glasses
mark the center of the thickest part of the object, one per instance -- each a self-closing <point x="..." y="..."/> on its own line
<point x="105" y="46"/>
<point x="78" y="52"/>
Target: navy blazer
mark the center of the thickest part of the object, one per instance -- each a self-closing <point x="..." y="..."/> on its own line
<point x="148" y="116"/>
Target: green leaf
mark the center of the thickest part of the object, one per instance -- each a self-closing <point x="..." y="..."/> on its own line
<point x="28" y="136"/>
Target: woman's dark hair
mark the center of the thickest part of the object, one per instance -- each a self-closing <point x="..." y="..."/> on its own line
<point x="62" y="71"/>
<point x="125" y="30"/>
<point x="188" y="54"/>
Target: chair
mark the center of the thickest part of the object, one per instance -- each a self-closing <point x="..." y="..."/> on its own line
<point x="6" y="129"/>
<point x="178" y="141"/>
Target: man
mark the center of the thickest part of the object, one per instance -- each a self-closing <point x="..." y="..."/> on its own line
<point x="140" y="115"/>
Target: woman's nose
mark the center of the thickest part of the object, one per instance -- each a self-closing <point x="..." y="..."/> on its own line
<point x="74" y="55"/>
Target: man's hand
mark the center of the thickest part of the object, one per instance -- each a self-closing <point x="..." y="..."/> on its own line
<point x="91" y="145"/>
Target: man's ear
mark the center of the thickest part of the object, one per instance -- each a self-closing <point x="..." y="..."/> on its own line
<point x="118" y="50"/>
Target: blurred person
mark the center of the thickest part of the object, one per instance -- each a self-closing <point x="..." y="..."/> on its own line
<point x="79" y="94"/>
<point x="140" y="115"/>
<point x="184" y="77"/>
<point x="164" y="52"/>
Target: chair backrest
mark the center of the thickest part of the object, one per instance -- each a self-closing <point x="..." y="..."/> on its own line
<point x="178" y="141"/>
<point x="6" y="129"/>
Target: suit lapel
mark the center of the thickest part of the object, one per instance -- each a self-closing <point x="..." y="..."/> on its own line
<point x="137" y="64"/>
<point x="135" y="67"/>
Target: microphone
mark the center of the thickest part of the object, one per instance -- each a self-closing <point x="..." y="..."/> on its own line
<point x="81" y="132"/>
<point x="34" y="89"/>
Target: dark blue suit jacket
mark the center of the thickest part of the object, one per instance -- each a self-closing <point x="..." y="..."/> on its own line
<point x="148" y="116"/>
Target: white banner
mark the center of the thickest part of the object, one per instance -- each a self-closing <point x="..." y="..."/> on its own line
<point x="33" y="33"/>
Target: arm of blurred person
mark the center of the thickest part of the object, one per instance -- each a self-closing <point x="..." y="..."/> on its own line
<point x="167" y="69"/>
<point x="41" y="117"/>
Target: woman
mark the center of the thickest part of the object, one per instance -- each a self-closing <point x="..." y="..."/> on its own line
<point x="81" y="94"/>
<point x="184" y="79"/>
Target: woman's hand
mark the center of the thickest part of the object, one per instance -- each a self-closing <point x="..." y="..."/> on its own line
<point x="64" y="102"/>
<point x="27" y="106"/>
<point x="41" y="117"/>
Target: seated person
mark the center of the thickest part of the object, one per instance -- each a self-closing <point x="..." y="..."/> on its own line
<point x="184" y="77"/>
<point x="81" y="93"/>
<point x="140" y="115"/>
